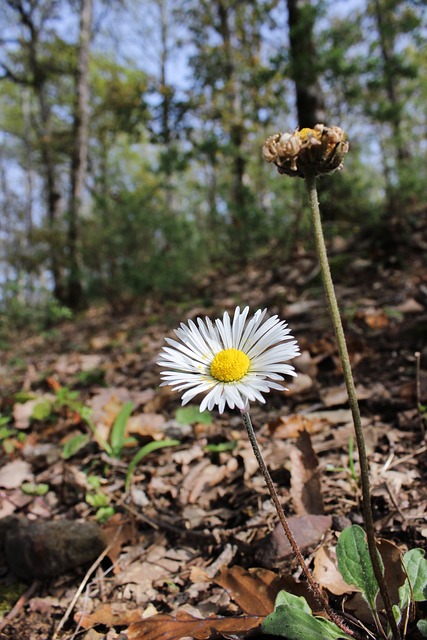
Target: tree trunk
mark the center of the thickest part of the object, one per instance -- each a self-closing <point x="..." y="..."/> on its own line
<point x="166" y="93"/>
<point x="386" y="39"/>
<point x="236" y="132"/>
<point x="53" y="197"/>
<point x="75" y="296"/>
<point x="309" y="99"/>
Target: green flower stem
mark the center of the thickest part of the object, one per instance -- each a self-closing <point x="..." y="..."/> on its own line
<point x="354" y="406"/>
<point x="321" y="599"/>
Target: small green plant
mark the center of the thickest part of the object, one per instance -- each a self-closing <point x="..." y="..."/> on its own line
<point x="117" y="437"/>
<point x="48" y="408"/>
<point x="91" y="377"/>
<point x="98" y="499"/>
<point x="9" y="436"/>
<point x="33" y="489"/>
<point x="191" y="415"/>
<point x="293" y="619"/>
<point x="74" y="445"/>
<point x="114" y="448"/>
<point x="144" y="451"/>
<point x="221" y="447"/>
<point x="350" y="469"/>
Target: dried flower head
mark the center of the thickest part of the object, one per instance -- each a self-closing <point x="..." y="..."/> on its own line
<point x="231" y="361"/>
<point x="307" y="151"/>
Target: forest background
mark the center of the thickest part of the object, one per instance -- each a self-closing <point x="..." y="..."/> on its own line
<point x="131" y="135"/>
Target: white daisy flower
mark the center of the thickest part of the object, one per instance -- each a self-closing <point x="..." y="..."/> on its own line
<point x="232" y="362"/>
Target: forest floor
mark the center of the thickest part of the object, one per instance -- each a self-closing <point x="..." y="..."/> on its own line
<point x="191" y="533"/>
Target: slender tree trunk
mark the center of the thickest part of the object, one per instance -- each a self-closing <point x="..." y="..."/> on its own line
<point x="386" y="46"/>
<point x="28" y="163"/>
<point x="237" y="132"/>
<point x="53" y="198"/>
<point x="75" y="296"/>
<point x="309" y="99"/>
<point x="166" y="93"/>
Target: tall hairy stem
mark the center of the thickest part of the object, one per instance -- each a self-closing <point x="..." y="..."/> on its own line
<point x="321" y="599"/>
<point x="354" y="406"/>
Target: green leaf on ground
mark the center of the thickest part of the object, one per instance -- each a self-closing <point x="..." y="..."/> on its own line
<point x="144" y="451"/>
<point x="414" y="586"/>
<point x="42" y="410"/>
<point x="422" y="627"/>
<point x="104" y="513"/>
<point x="354" y="563"/>
<point x="117" y="437"/>
<point x="98" y="499"/>
<point x="74" y="444"/>
<point x="33" y="489"/>
<point x="221" y="447"/>
<point x="191" y="415"/>
<point x="293" y="619"/>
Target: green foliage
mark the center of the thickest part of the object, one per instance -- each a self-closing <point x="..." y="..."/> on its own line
<point x="415" y="585"/>
<point x="101" y="502"/>
<point x="104" y="513"/>
<point x="422" y="627"/>
<point x="42" y="410"/>
<point x="136" y="244"/>
<point x="221" y="447"/>
<point x="9" y="436"/>
<point x="117" y="436"/>
<point x="354" y="563"/>
<point x="32" y="489"/>
<point x="9" y="596"/>
<point x="91" y="377"/>
<point x="19" y="310"/>
<point x="176" y="178"/>
<point x="145" y="451"/>
<point x="191" y="414"/>
<point x="98" y="499"/>
<point x="74" y="445"/>
<point x="293" y="619"/>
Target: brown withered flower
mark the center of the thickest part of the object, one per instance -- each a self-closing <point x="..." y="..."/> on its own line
<point x="307" y="151"/>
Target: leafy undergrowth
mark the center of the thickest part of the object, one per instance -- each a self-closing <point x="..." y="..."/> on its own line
<point x="185" y="542"/>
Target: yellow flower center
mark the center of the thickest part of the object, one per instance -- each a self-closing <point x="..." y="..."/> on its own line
<point x="304" y="133"/>
<point x="230" y="365"/>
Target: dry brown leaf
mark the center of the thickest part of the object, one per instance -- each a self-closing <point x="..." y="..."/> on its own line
<point x="334" y="396"/>
<point x="326" y="572"/>
<point x="14" y="473"/>
<point x="146" y="424"/>
<point x="409" y="306"/>
<point x="302" y="383"/>
<point x="306" y="490"/>
<point x="306" y="364"/>
<point x="290" y="426"/>
<point x="117" y="532"/>
<point x="200" y="478"/>
<point x="332" y="417"/>
<point x="394" y="574"/>
<point x="99" y="342"/>
<point x="22" y="412"/>
<point x="300" y="308"/>
<point x="374" y="318"/>
<point x="110" y="615"/>
<point x="307" y="530"/>
<point x="182" y="625"/>
<point x="254" y="591"/>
